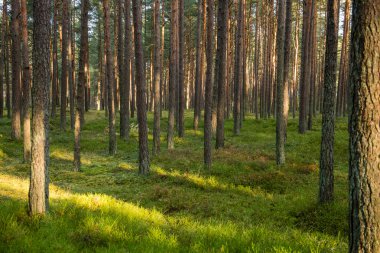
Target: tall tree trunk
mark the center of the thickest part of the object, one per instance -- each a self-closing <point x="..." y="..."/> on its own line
<point x="326" y="182"/>
<point x="280" y="111"/>
<point x="221" y="69"/>
<point x="127" y="64"/>
<point x="39" y="177"/>
<point x="26" y="82"/>
<point x="173" y="73"/>
<point x="110" y="79"/>
<point x="70" y="70"/>
<point x="16" y="71"/>
<point x="81" y="83"/>
<point x="122" y="72"/>
<point x="156" y="78"/>
<point x="64" y="69"/>
<point x="238" y="67"/>
<point x="344" y="65"/>
<point x="208" y="85"/>
<point x="54" y="101"/>
<point x="304" y="81"/>
<point x="181" y="72"/>
<point x="364" y="213"/>
<point x="2" y="59"/>
<point x="7" y="56"/>
<point x="144" y="166"/>
<point x="198" y="67"/>
<point x="287" y="61"/>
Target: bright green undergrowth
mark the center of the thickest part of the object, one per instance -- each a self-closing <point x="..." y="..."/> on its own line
<point x="244" y="204"/>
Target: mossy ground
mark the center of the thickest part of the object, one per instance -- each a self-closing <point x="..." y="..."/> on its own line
<point x="244" y="204"/>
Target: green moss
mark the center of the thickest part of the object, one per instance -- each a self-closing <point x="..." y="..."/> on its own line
<point x="244" y="204"/>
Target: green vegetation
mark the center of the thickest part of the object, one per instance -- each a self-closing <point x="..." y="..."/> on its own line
<point x="244" y="204"/>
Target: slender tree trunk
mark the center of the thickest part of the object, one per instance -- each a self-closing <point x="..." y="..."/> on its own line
<point x="16" y="71"/>
<point x="54" y="101"/>
<point x="343" y="67"/>
<point x="2" y="60"/>
<point x="304" y="81"/>
<point x="208" y="85"/>
<point x="173" y="73"/>
<point x="39" y="177"/>
<point x="64" y="67"/>
<point x="7" y="56"/>
<point x="238" y="67"/>
<point x="157" y="76"/>
<point x="81" y="83"/>
<point x="110" y="79"/>
<point x="280" y="111"/>
<point x="144" y="166"/>
<point x="70" y="70"/>
<point x="326" y="182"/>
<point x="198" y="67"/>
<point x="122" y="72"/>
<point x="181" y="72"/>
<point x="364" y="213"/>
<point x="25" y="82"/>
<point x="221" y="70"/>
<point x="127" y="64"/>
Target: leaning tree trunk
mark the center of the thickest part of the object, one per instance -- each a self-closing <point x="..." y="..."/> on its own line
<point x="326" y="182"/>
<point x="39" y="177"/>
<point x="364" y="219"/>
<point x="110" y="79"/>
<point x="141" y="90"/>
<point x="16" y="68"/>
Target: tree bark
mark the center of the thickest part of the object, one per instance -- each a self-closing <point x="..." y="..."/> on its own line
<point x="238" y="68"/>
<point x="221" y="69"/>
<point x="364" y="215"/>
<point x="208" y="85"/>
<point x="198" y="67"/>
<point x="110" y="79"/>
<point x="157" y="78"/>
<point x="25" y="82"/>
<point x="16" y="74"/>
<point x="173" y="78"/>
<point x="326" y="182"/>
<point x="144" y="166"/>
<point x="64" y="74"/>
<point x="127" y="64"/>
<point x="280" y="111"/>
<point x="181" y="71"/>
<point x="81" y="84"/>
<point x="39" y="177"/>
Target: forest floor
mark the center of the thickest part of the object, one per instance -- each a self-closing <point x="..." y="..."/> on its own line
<point x="244" y="204"/>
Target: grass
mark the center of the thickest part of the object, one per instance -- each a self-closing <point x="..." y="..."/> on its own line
<point x="244" y="204"/>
